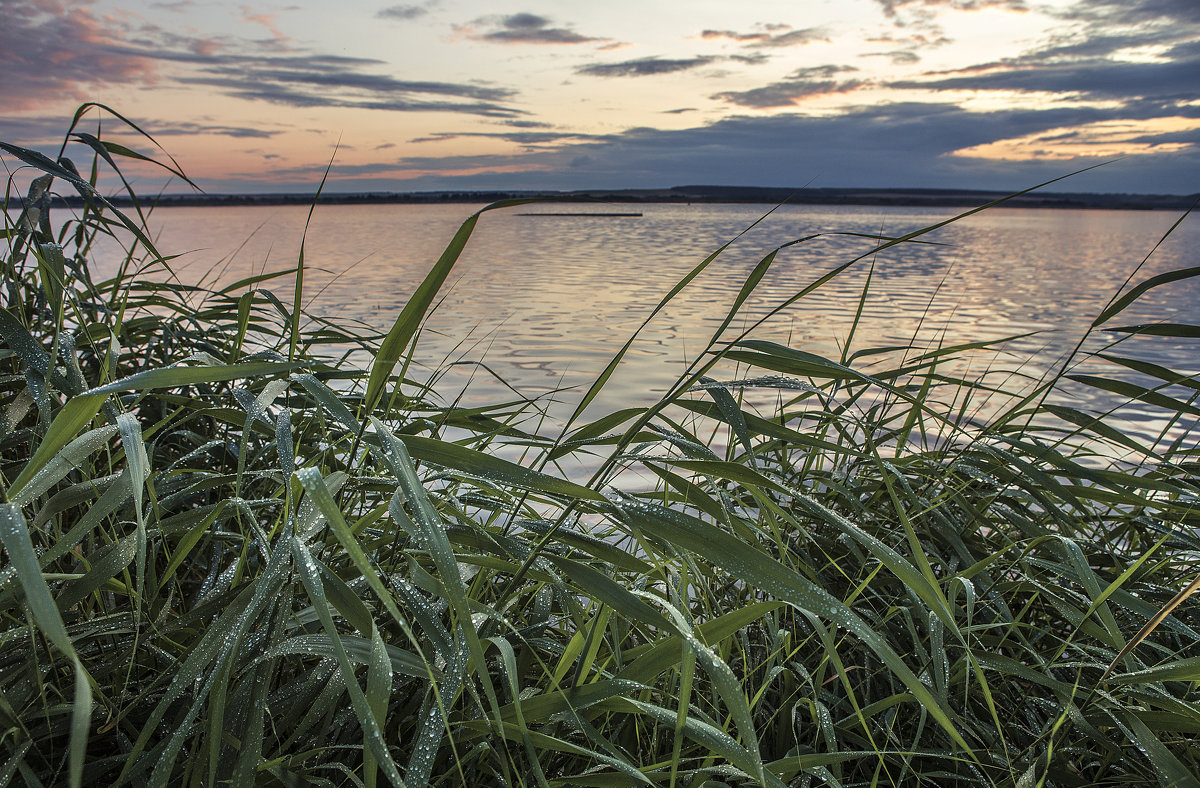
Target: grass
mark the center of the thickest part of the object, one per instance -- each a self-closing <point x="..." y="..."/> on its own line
<point x="232" y="558"/>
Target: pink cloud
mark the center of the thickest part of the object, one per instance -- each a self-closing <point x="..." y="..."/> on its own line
<point x="51" y="50"/>
<point x="267" y="21"/>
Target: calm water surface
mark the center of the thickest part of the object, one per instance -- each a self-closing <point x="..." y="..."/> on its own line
<point x="546" y="301"/>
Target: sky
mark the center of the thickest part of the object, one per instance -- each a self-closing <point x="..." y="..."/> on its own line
<point x="549" y="94"/>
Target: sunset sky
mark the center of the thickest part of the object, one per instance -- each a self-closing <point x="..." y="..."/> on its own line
<point x="465" y="94"/>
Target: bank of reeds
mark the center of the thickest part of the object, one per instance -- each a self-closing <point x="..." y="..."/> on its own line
<point x="230" y="558"/>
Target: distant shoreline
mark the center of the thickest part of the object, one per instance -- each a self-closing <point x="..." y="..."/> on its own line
<point x="951" y="198"/>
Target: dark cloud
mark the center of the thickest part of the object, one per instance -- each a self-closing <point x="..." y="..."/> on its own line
<point x="1086" y="61"/>
<point x="477" y="163"/>
<point x="279" y="94"/>
<point x="317" y="80"/>
<point x="184" y="129"/>
<point x="770" y="36"/>
<point x="899" y="57"/>
<point x="643" y="67"/>
<point x="800" y="84"/>
<point x="1098" y="45"/>
<point x="733" y="35"/>
<point x="530" y="140"/>
<point x="910" y="145"/>
<point x="794" y="38"/>
<point x="403" y="12"/>
<point x="753" y="59"/>
<point x="1134" y="12"/>
<point x="46" y="132"/>
<point x="525" y="21"/>
<point x="519" y="123"/>
<point x="919" y="18"/>
<point x="1101" y="28"/>
<point x="902" y="145"/>
<point x="524" y="28"/>
<point x="325" y="82"/>
<point x="248" y="73"/>
<point x="1188" y="50"/>
<point x="1092" y="78"/>
<point x="893" y="7"/>
<point x="1191" y="137"/>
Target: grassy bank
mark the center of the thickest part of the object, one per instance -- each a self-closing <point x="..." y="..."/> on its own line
<point x="230" y="558"/>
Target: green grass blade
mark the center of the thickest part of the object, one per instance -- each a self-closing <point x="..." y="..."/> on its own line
<point x="749" y="564"/>
<point x="310" y="576"/>
<point x="74" y="416"/>
<point x="14" y="533"/>
<point x="1155" y="281"/>
<point x="181" y="375"/>
<point x="1171" y="771"/>
<point x="452" y="455"/>
<point x="409" y="319"/>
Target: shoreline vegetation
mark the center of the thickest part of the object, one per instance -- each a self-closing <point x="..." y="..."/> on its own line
<point x="770" y="196"/>
<point x="232" y="557"/>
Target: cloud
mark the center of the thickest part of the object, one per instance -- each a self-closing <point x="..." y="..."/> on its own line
<point x="1110" y="138"/>
<point x="770" y="37"/>
<point x="921" y="18"/>
<point x="61" y="50"/>
<point x="186" y="129"/>
<point x="899" y="57"/>
<point x="643" y="67"/>
<point x="260" y="72"/>
<point x="520" y="123"/>
<point x="524" y="28"/>
<point x="794" y="38"/>
<point x="1128" y="51"/>
<point x="47" y="131"/>
<point x="52" y="51"/>
<point x="902" y="145"/>
<point x="911" y="144"/>
<point x="892" y="7"/>
<point x="1093" y="78"/>
<point x="800" y="84"/>
<point x="1103" y="27"/>
<point x="530" y="140"/>
<point x="411" y="166"/>
<point x="332" y="81"/>
<point x="402" y="12"/>
<point x="1134" y="12"/>
<point x="754" y="59"/>
<point x="267" y="21"/>
<point x="733" y="35"/>
<point x="1188" y="50"/>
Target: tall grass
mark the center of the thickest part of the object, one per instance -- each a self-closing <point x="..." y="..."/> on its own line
<point x="231" y="558"/>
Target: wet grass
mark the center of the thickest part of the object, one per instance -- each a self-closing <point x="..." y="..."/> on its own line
<point x="232" y="558"/>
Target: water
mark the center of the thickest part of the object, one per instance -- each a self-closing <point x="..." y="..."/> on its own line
<point x="545" y="302"/>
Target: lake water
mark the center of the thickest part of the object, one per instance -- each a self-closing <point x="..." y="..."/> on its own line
<point x="545" y="301"/>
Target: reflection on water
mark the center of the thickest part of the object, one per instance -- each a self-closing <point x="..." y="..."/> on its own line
<point x="546" y="301"/>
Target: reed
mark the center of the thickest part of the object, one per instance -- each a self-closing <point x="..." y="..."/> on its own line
<point x="231" y="557"/>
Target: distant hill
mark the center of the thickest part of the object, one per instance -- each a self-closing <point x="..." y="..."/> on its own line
<point x="706" y="194"/>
